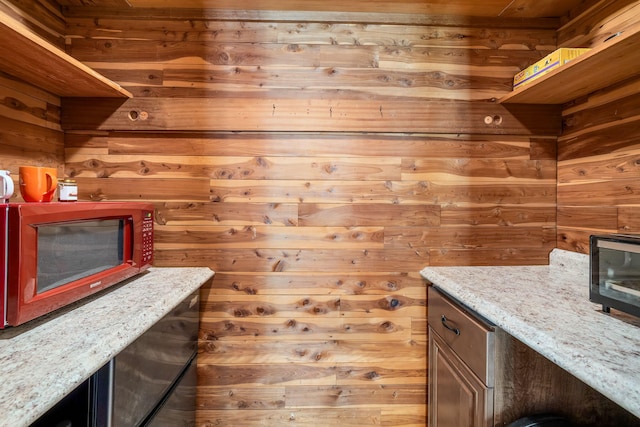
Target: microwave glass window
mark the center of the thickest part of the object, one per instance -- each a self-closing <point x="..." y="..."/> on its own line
<point x="73" y="251"/>
<point x="620" y="274"/>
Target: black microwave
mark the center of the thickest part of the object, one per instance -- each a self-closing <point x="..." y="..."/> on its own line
<point x="615" y="272"/>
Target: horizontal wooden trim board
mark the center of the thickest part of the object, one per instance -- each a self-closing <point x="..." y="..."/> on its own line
<point x="197" y="114"/>
<point x="82" y="144"/>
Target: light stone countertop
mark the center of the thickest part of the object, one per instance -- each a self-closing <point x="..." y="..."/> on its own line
<point x="548" y="308"/>
<point x="45" y="359"/>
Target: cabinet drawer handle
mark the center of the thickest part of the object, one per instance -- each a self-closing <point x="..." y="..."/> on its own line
<point x="444" y="323"/>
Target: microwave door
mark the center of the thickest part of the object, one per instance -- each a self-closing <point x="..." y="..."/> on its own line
<point x="69" y="252"/>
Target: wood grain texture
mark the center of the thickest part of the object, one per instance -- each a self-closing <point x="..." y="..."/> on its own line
<point x="596" y="24"/>
<point x="628" y="220"/>
<point x="40" y="16"/>
<point x="317" y="167"/>
<point x="63" y="75"/>
<point x="30" y="133"/>
<point x="255" y="237"/>
<point x="598" y="150"/>
<point x="592" y="217"/>
<point x="507" y="215"/>
<point x="239" y="214"/>
<point x="382" y="192"/>
<point x="26" y="104"/>
<point x="266" y="168"/>
<point x="467" y="8"/>
<point x="330" y="145"/>
<point x="484" y="257"/>
<point x="153" y="114"/>
<point x="607" y="140"/>
<point x="317" y="161"/>
<point x="608" y="63"/>
<point x="303" y="417"/>
<point x="297" y="260"/>
<point x="285" y="283"/>
<point x="350" y="214"/>
<point x="576" y="239"/>
<point x="333" y="352"/>
<point x="529" y="383"/>
<point x="531" y="38"/>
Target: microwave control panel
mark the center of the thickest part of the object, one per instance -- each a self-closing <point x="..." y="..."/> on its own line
<point x="147" y="237"/>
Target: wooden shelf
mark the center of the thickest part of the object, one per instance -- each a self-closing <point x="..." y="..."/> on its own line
<point x="25" y="55"/>
<point x="609" y="63"/>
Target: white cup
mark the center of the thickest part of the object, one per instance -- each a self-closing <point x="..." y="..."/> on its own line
<point x="6" y="185"/>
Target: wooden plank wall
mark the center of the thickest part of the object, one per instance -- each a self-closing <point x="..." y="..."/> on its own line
<point x="599" y="150"/>
<point x="317" y="310"/>
<point x="317" y="166"/>
<point x="30" y="133"/>
<point x="30" y="129"/>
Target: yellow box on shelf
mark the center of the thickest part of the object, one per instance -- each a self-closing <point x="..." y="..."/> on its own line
<point x="550" y="62"/>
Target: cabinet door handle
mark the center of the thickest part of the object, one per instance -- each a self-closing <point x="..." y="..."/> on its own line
<point x="452" y="329"/>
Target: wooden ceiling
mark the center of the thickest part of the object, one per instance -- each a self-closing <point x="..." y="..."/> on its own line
<point x="482" y="8"/>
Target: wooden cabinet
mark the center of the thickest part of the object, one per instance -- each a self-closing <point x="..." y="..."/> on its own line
<point x="610" y="62"/>
<point x="479" y="375"/>
<point x="457" y="397"/>
<point x="461" y="366"/>
<point x="25" y="55"/>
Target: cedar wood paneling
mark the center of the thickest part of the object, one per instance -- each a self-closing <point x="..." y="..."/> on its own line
<point x="317" y="167"/>
<point x="599" y="150"/>
<point x="316" y="226"/>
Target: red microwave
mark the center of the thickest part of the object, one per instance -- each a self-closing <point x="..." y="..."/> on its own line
<point x="58" y="253"/>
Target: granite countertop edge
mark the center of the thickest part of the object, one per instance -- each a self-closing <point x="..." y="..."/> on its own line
<point x="548" y="308"/>
<point x="38" y="361"/>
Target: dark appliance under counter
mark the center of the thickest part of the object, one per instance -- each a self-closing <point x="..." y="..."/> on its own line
<point x="154" y="376"/>
<point x="152" y="382"/>
<point x="87" y="405"/>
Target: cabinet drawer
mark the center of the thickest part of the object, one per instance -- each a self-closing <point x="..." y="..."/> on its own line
<point x="470" y="338"/>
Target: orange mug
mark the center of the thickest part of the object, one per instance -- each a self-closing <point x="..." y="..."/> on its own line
<point x="37" y="184"/>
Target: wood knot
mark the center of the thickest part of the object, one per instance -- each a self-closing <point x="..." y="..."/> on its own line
<point x="387" y="326"/>
<point x="372" y="375"/>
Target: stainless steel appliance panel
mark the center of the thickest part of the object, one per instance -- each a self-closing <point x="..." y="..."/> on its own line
<point x="146" y="370"/>
<point x="179" y="409"/>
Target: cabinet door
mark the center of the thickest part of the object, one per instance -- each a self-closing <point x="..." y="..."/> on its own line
<point x="457" y="397"/>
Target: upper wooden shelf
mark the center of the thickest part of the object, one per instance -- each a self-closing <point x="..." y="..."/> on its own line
<point x="27" y="56"/>
<point x="604" y="65"/>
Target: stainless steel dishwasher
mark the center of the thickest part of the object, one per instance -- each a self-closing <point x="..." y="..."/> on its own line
<point x="154" y="378"/>
<point x="151" y="383"/>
